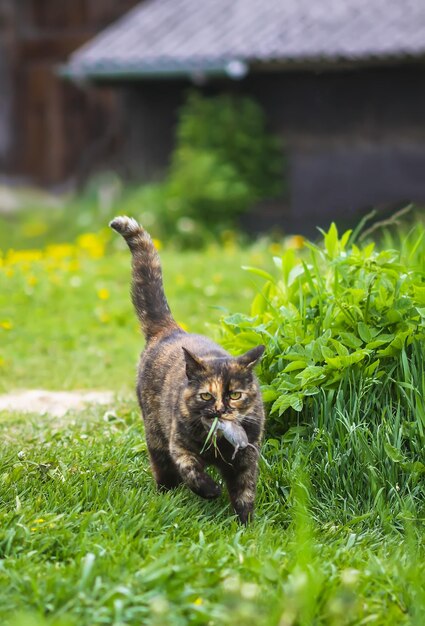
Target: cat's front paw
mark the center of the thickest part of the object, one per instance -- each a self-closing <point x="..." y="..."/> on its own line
<point x="207" y="488"/>
<point x="245" y="512"/>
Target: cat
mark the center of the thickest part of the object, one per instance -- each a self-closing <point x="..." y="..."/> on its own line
<point x="184" y="382"/>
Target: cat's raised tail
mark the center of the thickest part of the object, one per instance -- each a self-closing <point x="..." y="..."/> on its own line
<point x="147" y="290"/>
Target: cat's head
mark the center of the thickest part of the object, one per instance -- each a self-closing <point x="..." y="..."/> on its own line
<point x="223" y="387"/>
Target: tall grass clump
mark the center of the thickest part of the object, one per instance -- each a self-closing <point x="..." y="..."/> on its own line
<point x="343" y="374"/>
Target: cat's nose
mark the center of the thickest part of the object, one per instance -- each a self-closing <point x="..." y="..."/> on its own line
<point x="219" y="410"/>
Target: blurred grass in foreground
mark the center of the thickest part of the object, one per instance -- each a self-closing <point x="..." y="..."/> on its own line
<point x="85" y="539"/>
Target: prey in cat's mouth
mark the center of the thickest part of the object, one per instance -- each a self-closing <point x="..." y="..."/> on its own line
<point x="232" y="431"/>
<point x="189" y="388"/>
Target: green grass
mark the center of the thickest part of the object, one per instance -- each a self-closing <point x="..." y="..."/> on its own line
<point x="64" y="336"/>
<point x="343" y="370"/>
<point x="85" y="539"/>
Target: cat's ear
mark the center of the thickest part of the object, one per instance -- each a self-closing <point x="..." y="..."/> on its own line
<point x="251" y="358"/>
<point x="194" y="364"/>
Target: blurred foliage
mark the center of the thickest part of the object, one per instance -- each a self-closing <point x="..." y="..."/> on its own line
<point x="233" y="130"/>
<point x="224" y="162"/>
<point x="66" y="319"/>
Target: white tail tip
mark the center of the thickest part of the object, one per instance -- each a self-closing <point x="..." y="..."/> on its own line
<point x="125" y="225"/>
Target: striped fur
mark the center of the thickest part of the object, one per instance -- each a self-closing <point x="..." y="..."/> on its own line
<point x="176" y="371"/>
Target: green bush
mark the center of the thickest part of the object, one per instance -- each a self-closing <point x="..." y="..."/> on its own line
<point x="224" y="161"/>
<point x="343" y="371"/>
<point x="207" y="188"/>
<point x="233" y="130"/>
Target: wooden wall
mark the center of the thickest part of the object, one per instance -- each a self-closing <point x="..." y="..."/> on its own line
<point x="54" y="126"/>
<point x="7" y="62"/>
<point x="355" y="139"/>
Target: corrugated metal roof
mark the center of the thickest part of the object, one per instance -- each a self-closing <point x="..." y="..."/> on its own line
<point x="183" y="36"/>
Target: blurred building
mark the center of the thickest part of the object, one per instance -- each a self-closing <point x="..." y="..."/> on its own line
<point x="342" y="82"/>
<point x="46" y="123"/>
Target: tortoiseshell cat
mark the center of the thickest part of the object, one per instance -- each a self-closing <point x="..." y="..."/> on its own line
<point x="184" y="382"/>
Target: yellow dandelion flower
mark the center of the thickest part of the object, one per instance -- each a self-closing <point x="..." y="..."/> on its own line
<point x="157" y="243"/>
<point x="198" y="601"/>
<point x="275" y="248"/>
<point x="93" y="244"/>
<point x="6" y="325"/>
<point x="40" y="520"/>
<point x="97" y="252"/>
<point x="103" y="294"/>
<point x="183" y="325"/>
<point x="16" y="257"/>
<point x="60" y="251"/>
<point x="87" y="240"/>
<point x="296" y="242"/>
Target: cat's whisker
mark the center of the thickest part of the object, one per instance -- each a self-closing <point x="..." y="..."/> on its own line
<point x="248" y="418"/>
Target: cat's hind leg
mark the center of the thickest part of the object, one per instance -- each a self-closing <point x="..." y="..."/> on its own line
<point x="164" y="469"/>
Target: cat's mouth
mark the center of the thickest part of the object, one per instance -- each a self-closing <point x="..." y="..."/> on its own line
<point x="207" y="422"/>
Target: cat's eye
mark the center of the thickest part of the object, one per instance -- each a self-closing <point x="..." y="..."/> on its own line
<point x="206" y="396"/>
<point x="235" y="395"/>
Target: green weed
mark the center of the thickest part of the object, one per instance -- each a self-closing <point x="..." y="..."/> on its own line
<point x="85" y="538"/>
<point x="344" y="369"/>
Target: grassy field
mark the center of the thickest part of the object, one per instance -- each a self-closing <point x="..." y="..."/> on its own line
<point x="66" y="320"/>
<point x="84" y="537"/>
